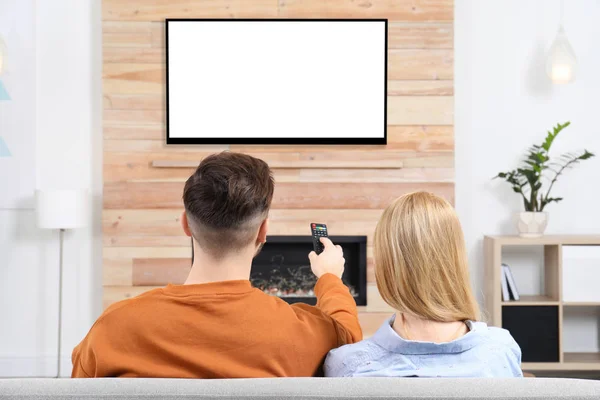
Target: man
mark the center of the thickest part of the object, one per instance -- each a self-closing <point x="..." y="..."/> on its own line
<point x="217" y="325"/>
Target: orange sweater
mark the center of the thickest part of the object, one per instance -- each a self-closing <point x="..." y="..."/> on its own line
<point x="218" y="330"/>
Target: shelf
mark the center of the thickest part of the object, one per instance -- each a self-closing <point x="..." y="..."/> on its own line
<point x="532" y="301"/>
<point x="292" y="163"/>
<point x="582" y="358"/>
<point x="547" y="240"/>
<point x="573" y="362"/>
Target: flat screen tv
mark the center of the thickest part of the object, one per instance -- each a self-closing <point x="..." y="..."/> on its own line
<point x="276" y="81"/>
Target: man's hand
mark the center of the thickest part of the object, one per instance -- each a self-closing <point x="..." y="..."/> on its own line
<point x="331" y="260"/>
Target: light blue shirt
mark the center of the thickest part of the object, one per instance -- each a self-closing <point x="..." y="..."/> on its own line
<point x="482" y="352"/>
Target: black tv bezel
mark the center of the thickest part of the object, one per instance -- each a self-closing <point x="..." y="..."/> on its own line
<point x="278" y="140"/>
<point x="361" y="298"/>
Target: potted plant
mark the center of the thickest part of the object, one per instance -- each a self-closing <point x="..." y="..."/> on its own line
<point x="534" y="181"/>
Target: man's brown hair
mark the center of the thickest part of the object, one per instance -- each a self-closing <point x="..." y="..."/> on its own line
<point x="226" y="200"/>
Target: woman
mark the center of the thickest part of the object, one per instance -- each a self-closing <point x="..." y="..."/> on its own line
<point x="421" y="271"/>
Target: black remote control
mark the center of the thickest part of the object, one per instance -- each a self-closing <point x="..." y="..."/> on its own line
<point x="318" y="231"/>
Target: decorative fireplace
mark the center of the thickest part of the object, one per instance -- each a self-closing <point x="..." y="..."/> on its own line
<point x="282" y="268"/>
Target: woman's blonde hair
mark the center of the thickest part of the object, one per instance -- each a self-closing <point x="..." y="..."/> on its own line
<point x="421" y="261"/>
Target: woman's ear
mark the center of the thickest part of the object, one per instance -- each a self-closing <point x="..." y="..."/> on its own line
<point x="262" y="231"/>
<point x="185" y="225"/>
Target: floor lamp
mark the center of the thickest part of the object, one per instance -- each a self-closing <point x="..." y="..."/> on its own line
<point x="61" y="210"/>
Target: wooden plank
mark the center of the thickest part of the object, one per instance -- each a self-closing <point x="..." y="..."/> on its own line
<point x="420" y="110"/>
<point x="378" y="175"/>
<point x="133" y="102"/>
<point x="421" y="88"/>
<point x="138" y="34"/>
<point x="394" y="10"/>
<point x="116" y="271"/>
<point x="139" y="55"/>
<point x="134" y="117"/>
<point x="158" y="10"/>
<point x="398" y="134"/>
<point x="133" y="78"/>
<point x="553" y="271"/>
<point x="421" y="138"/>
<point x="126" y="34"/>
<point x="149" y="151"/>
<point x="162" y="156"/>
<point x="157" y="34"/>
<point x="420" y="64"/>
<point x="142" y="222"/>
<point x="160" y="147"/>
<point x="414" y="35"/>
<point x="137" y="167"/>
<point x="323" y="160"/>
<point x="122" y="253"/>
<point x="167" y="222"/>
<point x="159" y="195"/>
<point x="134" y="240"/>
<point x="125" y="27"/>
<point x="417" y="137"/>
<point x="129" y="172"/>
<point x="129" y="132"/>
<point x="430" y="160"/>
<point x="534" y="300"/>
<point x="546" y="240"/>
<point x="113" y="294"/>
<point x="573" y="362"/>
<point x="160" y="271"/>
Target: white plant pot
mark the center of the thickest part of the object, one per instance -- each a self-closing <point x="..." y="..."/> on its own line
<point x="532" y="224"/>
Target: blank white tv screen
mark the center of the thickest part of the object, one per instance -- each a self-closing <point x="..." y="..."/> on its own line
<point x="276" y="81"/>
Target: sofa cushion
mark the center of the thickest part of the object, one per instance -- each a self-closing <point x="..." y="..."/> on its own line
<point x="302" y="388"/>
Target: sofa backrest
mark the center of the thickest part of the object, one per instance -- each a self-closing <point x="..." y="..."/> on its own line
<point x="301" y="389"/>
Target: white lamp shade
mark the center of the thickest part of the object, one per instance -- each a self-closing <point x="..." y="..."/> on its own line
<point x="561" y="65"/>
<point x="61" y="209"/>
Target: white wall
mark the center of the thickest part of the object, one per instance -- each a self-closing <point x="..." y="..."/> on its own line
<point x="504" y="103"/>
<point x="68" y="155"/>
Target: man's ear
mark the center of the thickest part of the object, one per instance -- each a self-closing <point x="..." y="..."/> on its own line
<point x="185" y="225"/>
<point x="262" y="231"/>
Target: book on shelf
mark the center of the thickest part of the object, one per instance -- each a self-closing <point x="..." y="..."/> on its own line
<point x="505" y="294"/>
<point x="510" y="281"/>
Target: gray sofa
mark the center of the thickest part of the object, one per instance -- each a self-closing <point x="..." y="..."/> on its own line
<point x="300" y="389"/>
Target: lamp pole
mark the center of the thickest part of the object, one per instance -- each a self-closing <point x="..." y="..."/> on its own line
<point x="61" y="233"/>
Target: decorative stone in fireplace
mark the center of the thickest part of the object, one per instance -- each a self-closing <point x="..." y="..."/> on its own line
<point x="282" y="268"/>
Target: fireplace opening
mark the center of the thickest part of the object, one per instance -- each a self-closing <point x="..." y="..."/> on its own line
<point x="282" y="268"/>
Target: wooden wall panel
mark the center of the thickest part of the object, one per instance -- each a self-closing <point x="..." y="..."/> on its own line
<point x="395" y="10"/>
<point x="411" y="35"/>
<point x="345" y="186"/>
<point x="346" y="195"/>
<point x="423" y="64"/>
<point x="158" y="10"/>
